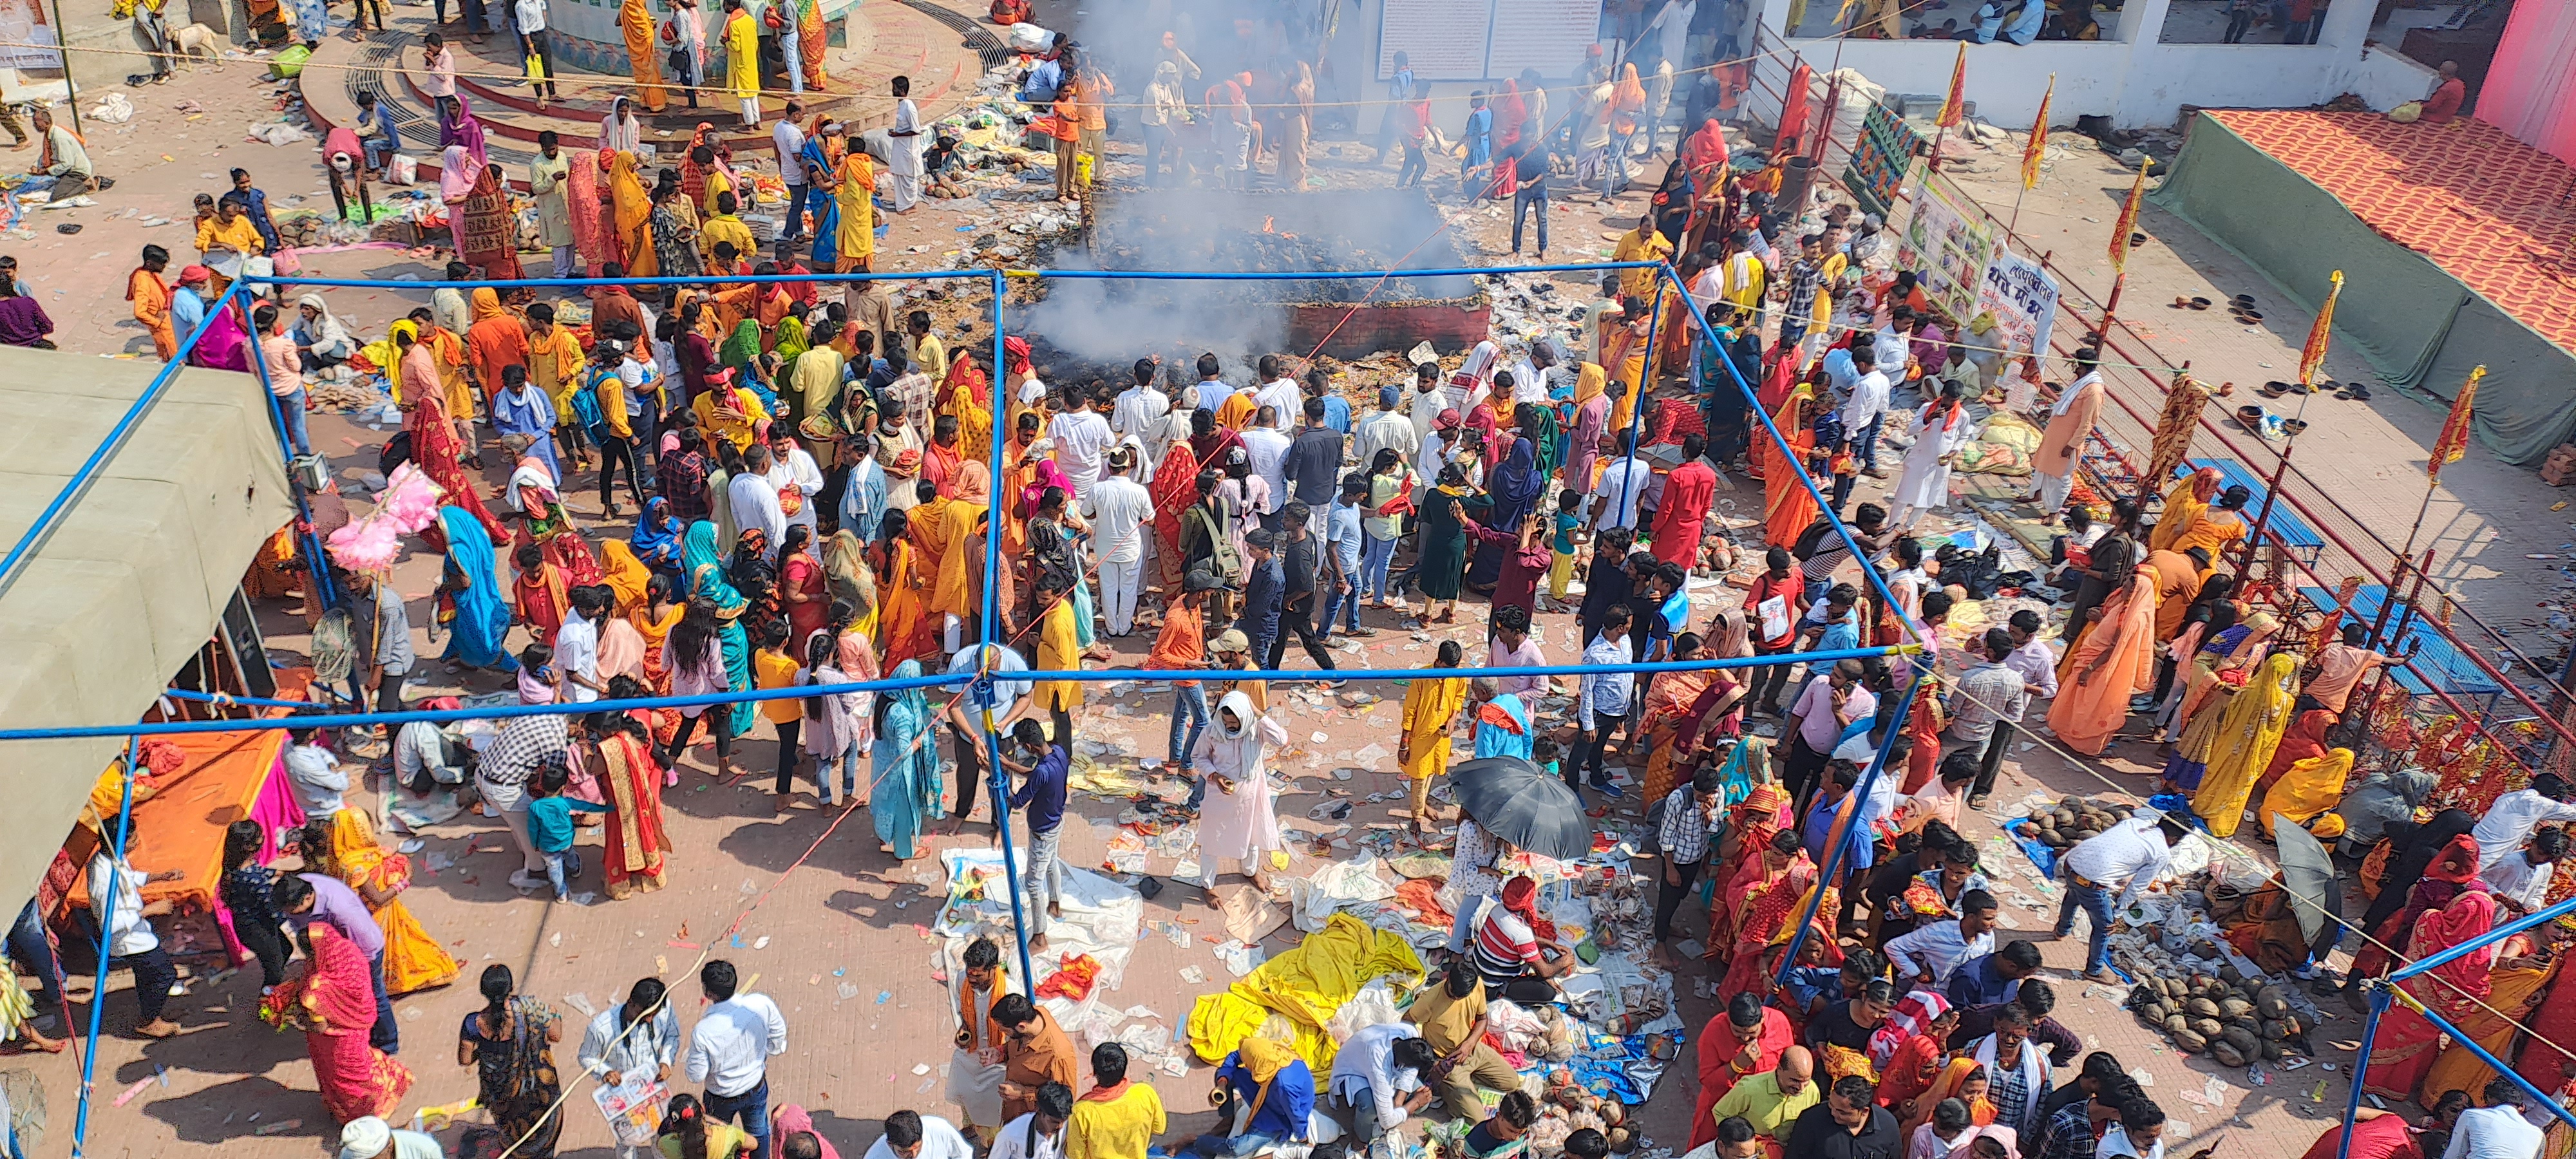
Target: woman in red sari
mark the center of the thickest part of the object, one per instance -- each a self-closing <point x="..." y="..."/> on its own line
<point x="1175" y="488"/>
<point x="801" y="588"/>
<point x="1757" y="906"/>
<point x="487" y="232"/>
<point x="2450" y="872"/>
<point x="2409" y="1042"/>
<point x="332" y="999"/>
<point x="632" y="782"/>
<point x="434" y="444"/>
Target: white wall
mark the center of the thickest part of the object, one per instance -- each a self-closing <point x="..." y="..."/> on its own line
<point x="2131" y="79"/>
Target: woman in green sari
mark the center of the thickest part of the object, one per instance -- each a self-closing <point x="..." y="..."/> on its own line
<point x="705" y="566"/>
<point x="1443" y="564"/>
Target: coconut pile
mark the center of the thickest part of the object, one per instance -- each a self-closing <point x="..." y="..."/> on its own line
<point x="2075" y="819"/>
<point x="2199" y="992"/>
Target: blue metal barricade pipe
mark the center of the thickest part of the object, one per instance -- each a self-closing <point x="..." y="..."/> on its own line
<point x="2488" y="938"/>
<point x="1753" y="400"/>
<point x="1834" y="857"/>
<point x="2459" y="1037"/>
<point x="50" y="519"/>
<point x="106" y="934"/>
<point x="926" y="680"/>
<point x="1000" y="787"/>
<point x="2379" y="999"/>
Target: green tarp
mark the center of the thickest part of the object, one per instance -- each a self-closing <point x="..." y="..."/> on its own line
<point x="2420" y="328"/>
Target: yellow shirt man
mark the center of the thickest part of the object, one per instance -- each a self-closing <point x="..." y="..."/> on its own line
<point x="1119" y="1126"/>
<point x="238" y="233"/>
<point x="1759" y="1101"/>
<point x="1641" y="244"/>
<point x="726" y="227"/>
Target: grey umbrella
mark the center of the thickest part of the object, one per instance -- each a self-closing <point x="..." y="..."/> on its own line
<point x="1516" y="801"/>
<point x="2308" y="874"/>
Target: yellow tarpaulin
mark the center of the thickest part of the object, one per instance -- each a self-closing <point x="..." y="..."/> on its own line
<point x="1307" y="985"/>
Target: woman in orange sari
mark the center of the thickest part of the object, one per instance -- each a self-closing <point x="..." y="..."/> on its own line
<point x="413" y="959"/>
<point x="2113" y="661"/>
<point x="630" y="215"/>
<point x="2521" y="970"/>
<point x="653" y="620"/>
<point x="1787" y="505"/>
<point x="904" y="630"/>
<point x="1686" y="710"/>
<point x="632" y="782"/>
<point x="331" y="997"/>
<point x="1961" y="1079"/>
<point x="2408" y="1042"/>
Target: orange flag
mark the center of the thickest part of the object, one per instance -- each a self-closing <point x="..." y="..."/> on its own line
<point x="2312" y="357"/>
<point x="2454" y="443"/>
<point x="1956" y="108"/>
<point x="2032" y="153"/>
<point x="2128" y="218"/>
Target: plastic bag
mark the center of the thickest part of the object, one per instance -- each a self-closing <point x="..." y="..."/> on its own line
<point x="1030" y="38"/>
<point x="289" y="62"/>
<point x="402" y="169"/>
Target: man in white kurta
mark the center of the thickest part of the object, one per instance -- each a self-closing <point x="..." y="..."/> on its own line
<point x="549" y="178"/>
<point x="905" y="163"/>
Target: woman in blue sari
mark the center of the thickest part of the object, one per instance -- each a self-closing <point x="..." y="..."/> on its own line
<point x="904" y="793"/>
<point x="657" y="538"/>
<point x="478" y="610"/>
<point x="707" y="580"/>
<point x="819" y="200"/>
<point x="1515" y="489"/>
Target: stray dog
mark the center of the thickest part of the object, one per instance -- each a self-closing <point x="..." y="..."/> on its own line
<point x="195" y="38"/>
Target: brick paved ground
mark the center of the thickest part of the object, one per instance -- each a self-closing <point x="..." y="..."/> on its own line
<point x="849" y="911"/>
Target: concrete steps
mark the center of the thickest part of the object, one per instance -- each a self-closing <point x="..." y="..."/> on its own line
<point x="913" y="38"/>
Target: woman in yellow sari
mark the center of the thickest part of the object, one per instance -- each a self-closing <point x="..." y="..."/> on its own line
<point x="856" y="237"/>
<point x="2521" y="973"/>
<point x="2215" y="676"/>
<point x="961" y="394"/>
<point x="653" y="620"/>
<point x="2184" y="503"/>
<point x="1430" y="705"/>
<point x="628" y="579"/>
<point x="413" y="959"/>
<point x="1628" y="354"/>
<point x="632" y="208"/>
<point x="2246" y="737"/>
<point x="635" y="20"/>
<point x="2306" y="795"/>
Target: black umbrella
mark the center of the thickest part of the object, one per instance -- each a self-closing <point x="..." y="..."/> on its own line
<point x="2307" y="875"/>
<point x="1518" y="802"/>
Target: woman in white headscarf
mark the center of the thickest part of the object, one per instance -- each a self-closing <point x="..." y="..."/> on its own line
<point x="322" y="341"/>
<point x="1474" y="379"/>
<point x="1237" y="821"/>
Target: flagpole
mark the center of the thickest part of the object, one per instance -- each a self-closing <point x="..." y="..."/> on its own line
<point x="2450" y="445"/>
<point x="2312" y="357"/>
<point x="1954" y="107"/>
<point x="2128" y="222"/>
<point x="2032" y="154"/>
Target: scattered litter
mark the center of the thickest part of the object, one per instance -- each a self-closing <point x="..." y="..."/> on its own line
<point x="1193" y="975"/>
<point x="580" y="1000"/>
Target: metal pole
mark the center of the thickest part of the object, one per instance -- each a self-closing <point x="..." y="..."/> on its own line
<point x="2379" y="999"/>
<point x="1833" y="857"/>
<point x="2462" y="1038"/>
<point x="106" y="934"/>
<point x="982" y="689"/>
<point x="71" y="92"/>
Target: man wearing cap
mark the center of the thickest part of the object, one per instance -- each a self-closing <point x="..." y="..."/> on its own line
<point x="373" y="1138"/>
<point x="188" y="300"/>
<point x="1389" y="428"/>
<point x="1434" y="452"/>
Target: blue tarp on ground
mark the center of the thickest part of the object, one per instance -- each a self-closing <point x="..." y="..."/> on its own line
<point x="2284" y="520"/>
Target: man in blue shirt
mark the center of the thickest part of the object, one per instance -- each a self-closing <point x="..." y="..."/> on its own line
<point x="2024" y="27"/>
<point x="1982" y="984"/>
<point x="1267" y="1077"/>
<point x="1041" y="796"/>
<point x="1343" y="535"/>
<point x="1337" y="410"/>
<point x="1399" y="89"/>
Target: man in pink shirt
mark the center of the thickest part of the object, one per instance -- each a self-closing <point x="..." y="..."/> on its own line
<point x="285" y="365"/>
<point x="2342" y="665"/>
<point x="1514" y="647"/>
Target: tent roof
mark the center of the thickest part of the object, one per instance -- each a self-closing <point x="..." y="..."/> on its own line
<point x="136" y="577"/>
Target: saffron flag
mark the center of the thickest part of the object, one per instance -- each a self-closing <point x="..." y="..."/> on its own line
<point x="2312" y="357"/>
<point x="2032" y="153"/>
<point x="1956" y="108"/>
<point x="2128" y="218"/>
<point x="2454" y="443"/>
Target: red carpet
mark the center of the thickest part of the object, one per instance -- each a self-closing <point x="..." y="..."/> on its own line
<point x="2478" y="203"/>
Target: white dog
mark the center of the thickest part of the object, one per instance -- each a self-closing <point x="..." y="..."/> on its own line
<point x="188" y="42"/>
